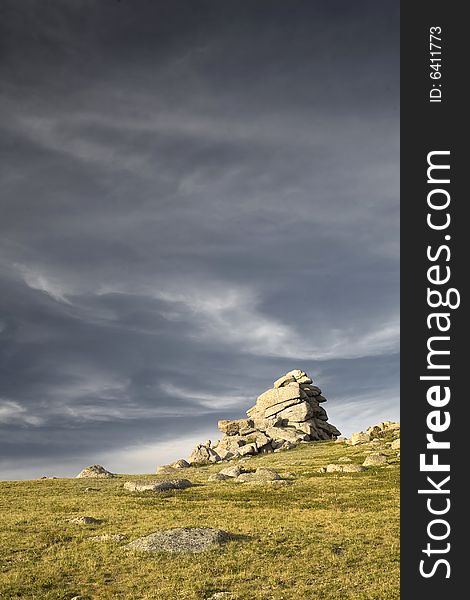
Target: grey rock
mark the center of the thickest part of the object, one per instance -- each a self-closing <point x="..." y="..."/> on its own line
<point x="95" y="471"/>
<point x="203" y="454"/>
<point x="157" y="486"/>
<point x="86" y="521"/>
<point x="180" y="464"/>
<point x="234" y="471"/>
<point x="275" y="396"/>
<point x="359" y="437"/>
<point x="236" y="427"/>
<point x="108" y="537"/>
<point x="226" y="454"/>
<point x="353" y="468"/>
<point x="288" y="434"/>
<point x="218" y="477"/>
<point x="261" y="474"/>
<point x="296" y="413"/>
<point x="247" y="449"/>
<point x="181" y="540"/>
<point x="166" y="470"/>
<point x="334" y="468"/>
<point x="375" y="460"/>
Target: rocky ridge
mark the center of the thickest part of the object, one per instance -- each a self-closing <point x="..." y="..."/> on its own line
<point x="285" y="415"/>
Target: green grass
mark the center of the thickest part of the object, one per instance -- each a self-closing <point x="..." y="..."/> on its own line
<point x="326" y="536"/>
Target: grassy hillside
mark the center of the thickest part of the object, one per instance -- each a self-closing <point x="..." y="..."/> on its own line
<point x="325" y="536"/>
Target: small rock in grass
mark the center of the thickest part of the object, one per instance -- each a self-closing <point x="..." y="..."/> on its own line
<point x="375" y="460"/>
<point x="218" y="477"/>
<point x="353" y="468"/>
<point x="86" y="521"/>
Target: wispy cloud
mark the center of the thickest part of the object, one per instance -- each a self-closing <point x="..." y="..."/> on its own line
<point x="234" y="317"/>
<point x="13" y="413"/>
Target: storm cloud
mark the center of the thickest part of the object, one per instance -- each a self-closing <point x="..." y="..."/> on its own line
<point x="197" y="196"/>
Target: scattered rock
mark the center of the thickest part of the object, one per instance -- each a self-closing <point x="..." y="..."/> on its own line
<point x="108" y="537"/>
<point x="375" y="460"/>
<point x="340" y="440"/>
<point x="90" y="489"/>
<point x="222" y="596"/>
<point x="218" y="477"/>
<point x="332" y="468"/>
<point x="95" y="471"/>
<point x="166" y="470"/>
<point x="359" y="437"/>
<point x="344" y="459"/>
<point x="181" y="539"/>
<point x="86" y="521"/>
<point x="353" y="468"/>
<point x="381" y="429"/>
<point x="234" y="471"/>
<point x="395" y="445"/>
<point x="261" y="474"/>
<point x="80" y="598"/>
<point x="180" y="464"/>
<point x="157" y="486"/>
<point x="247" y="449"/>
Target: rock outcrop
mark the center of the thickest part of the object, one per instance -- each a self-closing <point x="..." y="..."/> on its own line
<point x="96" y="471"/>
<point x="374" y="433"/>
<point x="283" y="416"/>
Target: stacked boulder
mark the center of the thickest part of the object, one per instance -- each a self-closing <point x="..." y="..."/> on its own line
<point x="283" y="416"/>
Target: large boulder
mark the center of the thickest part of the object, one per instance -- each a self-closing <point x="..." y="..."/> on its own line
<point x="234" y="471"/>
<point x="287" y="396"/>
<point x="180" y="540"/>
<point x="297" y="413"/>
<point x="157" y="486"/>
<point x="289" y="434"/>
<point x="261" y="474"/>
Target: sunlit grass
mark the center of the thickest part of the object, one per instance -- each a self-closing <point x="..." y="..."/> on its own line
<point x="326" y="536"/>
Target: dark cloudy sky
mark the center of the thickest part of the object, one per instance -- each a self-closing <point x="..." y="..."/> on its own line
<point x="196" y="197"/>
